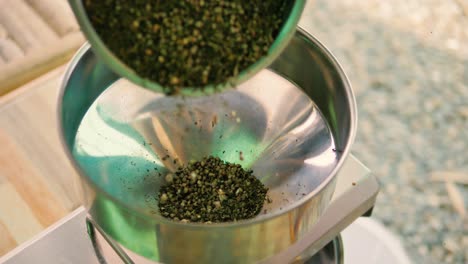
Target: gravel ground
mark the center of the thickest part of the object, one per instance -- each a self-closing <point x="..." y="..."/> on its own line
<point x="408" y="63"/>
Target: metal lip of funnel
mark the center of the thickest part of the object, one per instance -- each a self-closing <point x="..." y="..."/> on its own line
<point x="306" y="63"/>
<point x="108" y="57"/>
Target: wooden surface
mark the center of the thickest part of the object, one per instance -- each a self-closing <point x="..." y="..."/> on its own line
<point x="38" y="185"/>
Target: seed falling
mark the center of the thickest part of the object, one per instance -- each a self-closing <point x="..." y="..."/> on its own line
<point x="187" y="43"/>
<point x="211" y="190"/>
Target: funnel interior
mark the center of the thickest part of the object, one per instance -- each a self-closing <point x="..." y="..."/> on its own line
<point x="131" y="137"/>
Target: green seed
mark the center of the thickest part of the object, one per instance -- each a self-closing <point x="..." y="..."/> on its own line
<point x="226" y="36"/>
<point x="169" y="178"/>
<point x="212" y="190"/>
<point x="163" y="198"/>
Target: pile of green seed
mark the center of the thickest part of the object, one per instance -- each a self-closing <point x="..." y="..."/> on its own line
<point x="211" y="190"/>
<point x="187" y="43"/>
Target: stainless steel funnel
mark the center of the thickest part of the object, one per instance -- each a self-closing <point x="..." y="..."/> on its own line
<point x="294" y="123"/>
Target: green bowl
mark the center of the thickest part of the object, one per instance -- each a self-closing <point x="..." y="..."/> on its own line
<point x="115" y="64"/>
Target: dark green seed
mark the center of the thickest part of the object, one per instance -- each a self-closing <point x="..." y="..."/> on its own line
<point x="188" y="43"/>
<point x="212" y="190"/>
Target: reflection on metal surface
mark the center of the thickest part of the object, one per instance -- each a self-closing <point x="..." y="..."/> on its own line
<point x="93" y="237"/>
<point x="332" y="253"/>
<point x="326" y="159"/>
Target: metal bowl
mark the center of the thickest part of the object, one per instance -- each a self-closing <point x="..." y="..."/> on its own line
<point x="114" y="63"/>
<point x="294" y="123"/>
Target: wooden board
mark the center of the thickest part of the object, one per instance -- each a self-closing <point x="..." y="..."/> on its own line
<point x="38" y="185"/>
